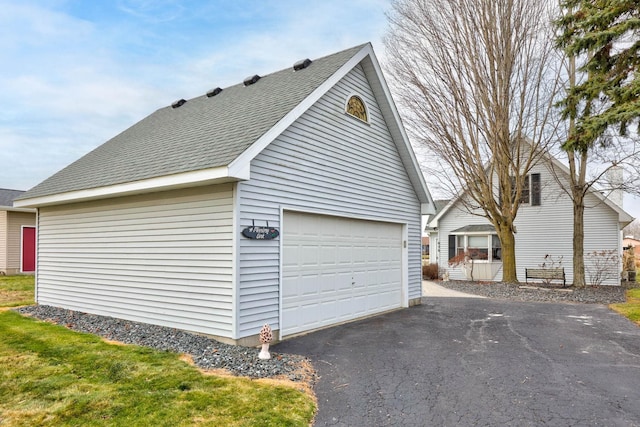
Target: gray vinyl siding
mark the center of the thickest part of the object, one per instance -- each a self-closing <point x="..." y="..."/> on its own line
<point x="603" y="234"/>
<point x="545" y="229"/>
<point x="326" y="162"/>
<point x="548" y="229"/>
<point x="161" y="258"/>
<point x="3" y="241"/>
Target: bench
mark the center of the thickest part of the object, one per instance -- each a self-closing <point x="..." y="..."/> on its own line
<point x="546" y="274"/>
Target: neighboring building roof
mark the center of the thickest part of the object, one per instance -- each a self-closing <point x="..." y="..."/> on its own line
<point x="623" y="217"/>
<point x="214" y="138"/>
<point x="8" y="196"/>
<point x="631" y="241"/>
<point x="440" y="204"/>
<point x="476" y="228"/>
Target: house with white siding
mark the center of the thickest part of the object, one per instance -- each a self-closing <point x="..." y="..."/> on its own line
<point x="292" y="199"/>
<point x="544" y="231"/>
<point x="17" y="235"/>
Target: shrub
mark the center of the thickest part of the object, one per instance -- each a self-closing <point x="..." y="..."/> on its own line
<point x="602" y="265"/>
<point x="430" y="271"/>
<point x="467" y="258"/>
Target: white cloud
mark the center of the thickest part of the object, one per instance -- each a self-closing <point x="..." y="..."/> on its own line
<point x="156" y="11"/>
<point x="80" y="73"/>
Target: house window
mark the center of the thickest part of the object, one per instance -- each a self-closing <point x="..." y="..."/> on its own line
<point x="425" y="250"/>
<point x="535" y="189"/>
<point x="460" y="245"/>
<point x="357" y="108"/>
<point x="524" y="195"/>
<point x="531" y="189"/>
<point x="479" y="247"/>
<point x="496" y="248"/>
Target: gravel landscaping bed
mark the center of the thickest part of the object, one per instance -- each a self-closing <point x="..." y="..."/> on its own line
<point x="206" y="353"/>
<point x="540" y="292"/>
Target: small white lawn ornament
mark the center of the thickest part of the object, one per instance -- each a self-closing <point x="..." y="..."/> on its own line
<point x="266" y="336"/>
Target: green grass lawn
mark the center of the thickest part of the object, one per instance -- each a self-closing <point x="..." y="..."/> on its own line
<point x="631" y="308"/>
<point x="52" y="376"/>
<point x="16" y="290"/>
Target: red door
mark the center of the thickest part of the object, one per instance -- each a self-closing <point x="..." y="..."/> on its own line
<point x="28" y="249"/>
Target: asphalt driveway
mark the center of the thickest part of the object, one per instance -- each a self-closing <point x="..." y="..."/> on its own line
<point x="478" y="362"/>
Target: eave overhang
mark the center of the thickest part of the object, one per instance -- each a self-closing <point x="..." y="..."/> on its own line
<point x="218" y="175"/>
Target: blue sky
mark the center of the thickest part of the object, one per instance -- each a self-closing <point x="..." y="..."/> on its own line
<point x="77" y="72"/>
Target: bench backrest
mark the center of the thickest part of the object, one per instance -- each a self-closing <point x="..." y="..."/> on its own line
<point x="544" y="273"/>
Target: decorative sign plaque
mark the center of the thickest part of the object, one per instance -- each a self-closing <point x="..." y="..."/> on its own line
<point x="260" y="233"/>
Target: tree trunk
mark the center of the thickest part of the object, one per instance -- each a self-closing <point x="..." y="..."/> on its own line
<point x="578" y="179"/>
<point x="508" y="243"/>
<point x="578" y="238"/>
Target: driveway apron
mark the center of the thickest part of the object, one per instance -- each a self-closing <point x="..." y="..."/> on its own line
<point x="478" y="362"/>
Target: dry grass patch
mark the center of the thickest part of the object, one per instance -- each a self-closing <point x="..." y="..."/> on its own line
<point x="306" y="371"/>
<point x="631" y="308"/>
<point x="16" y="290"/>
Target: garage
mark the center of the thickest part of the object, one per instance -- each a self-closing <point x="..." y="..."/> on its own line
<point x="318" y="220"/>
<point x="338" y="269"/>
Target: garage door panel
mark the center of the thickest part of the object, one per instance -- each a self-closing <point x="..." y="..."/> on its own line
<point x="341" y="284"/>
<point x="387" y="275"/>
<point x="337" y="269"/>
<point x="329" y="254"/>
<point x="308" y="286"/>
<point x="360" y="307"/>
<point x="362" y="277"/>
<point x="308" y="255"/>
<point x="342" y="255"/>
<point x="362" y="256"/>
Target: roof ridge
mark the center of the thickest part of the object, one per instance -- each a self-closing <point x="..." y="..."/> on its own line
<point x="270" y="74"/>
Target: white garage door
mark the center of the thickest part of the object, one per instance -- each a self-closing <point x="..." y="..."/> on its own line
<point x="337" y="269"/>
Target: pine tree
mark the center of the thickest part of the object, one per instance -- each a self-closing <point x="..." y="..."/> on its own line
<point x="603" y="34"/>
<point x="606" y="33"/>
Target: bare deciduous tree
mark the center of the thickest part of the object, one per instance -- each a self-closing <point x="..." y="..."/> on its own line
<point x="475" y="80"/>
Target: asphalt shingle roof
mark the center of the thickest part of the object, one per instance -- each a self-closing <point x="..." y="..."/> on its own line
<point x="476" y="228"/>
<point x="440" y="204"/>
<point x="205" y="132"/>
<point x="8" y="196"/>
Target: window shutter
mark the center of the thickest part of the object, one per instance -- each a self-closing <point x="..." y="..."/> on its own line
<point x="535" y="189"/>
<point x="452" y="246"/>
